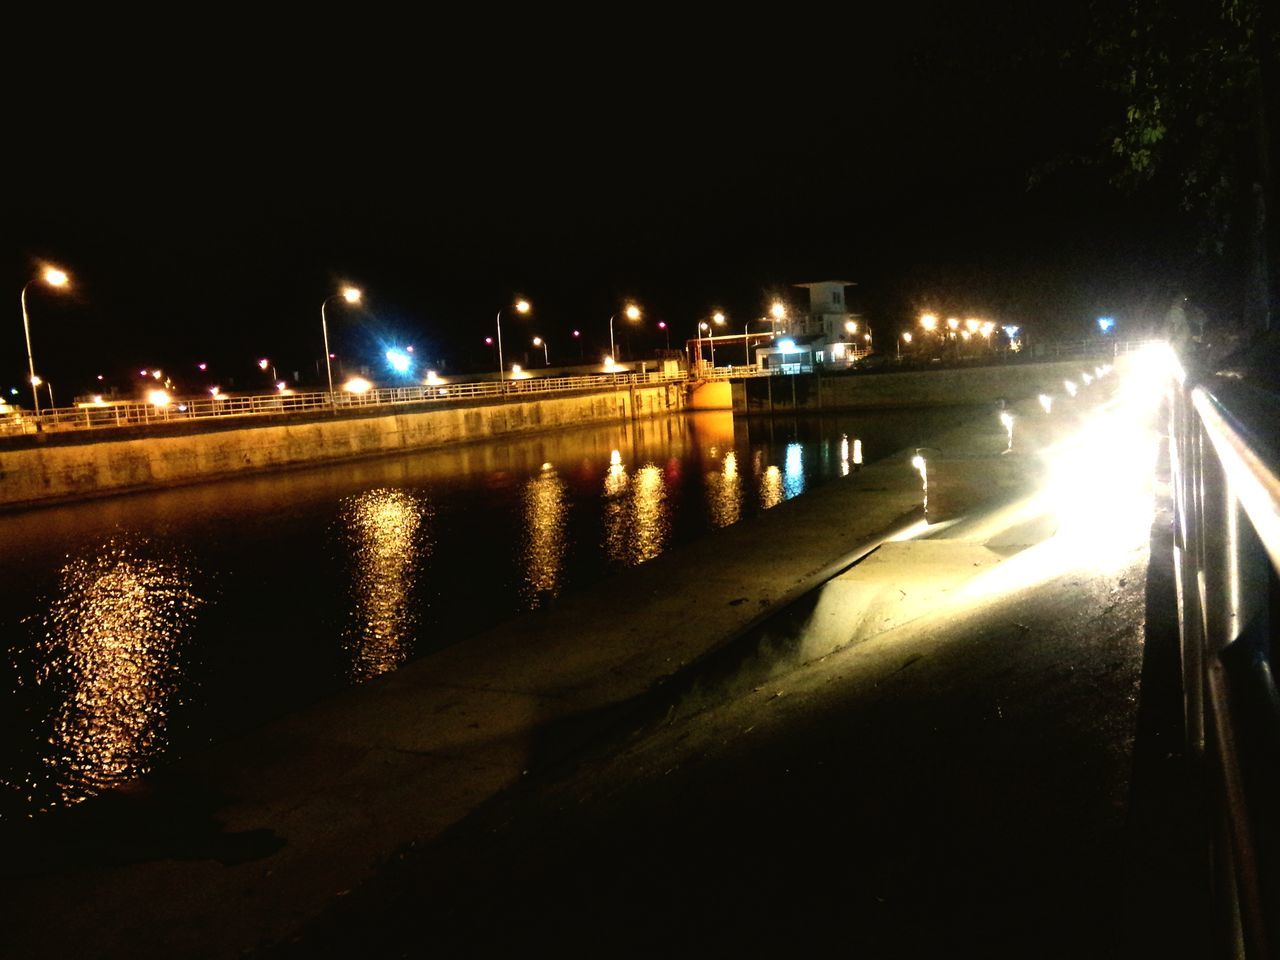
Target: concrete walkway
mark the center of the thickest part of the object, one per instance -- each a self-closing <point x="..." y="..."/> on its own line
<point x="244" y="846"/>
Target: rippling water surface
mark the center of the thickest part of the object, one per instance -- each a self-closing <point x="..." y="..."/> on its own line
<point x="138" y="626"/>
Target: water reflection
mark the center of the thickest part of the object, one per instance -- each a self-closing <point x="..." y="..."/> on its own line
<point x="793" y="485"/>
<point x="771" y="487"/>
<point x="636" y="514"/>
<point x="545" y="507"/>
<point x="113" y="649"/>
<point x="724" y="492"/>
<point x="386" y="537"/>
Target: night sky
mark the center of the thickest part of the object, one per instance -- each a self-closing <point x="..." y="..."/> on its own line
<point x="205" y="200"/>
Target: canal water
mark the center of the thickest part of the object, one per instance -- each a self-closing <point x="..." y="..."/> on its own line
<point x="137" y="627"/>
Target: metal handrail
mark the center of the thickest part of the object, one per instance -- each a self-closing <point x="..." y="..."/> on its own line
<point x="1226" y="493"/>
<point x="223" y="406"/>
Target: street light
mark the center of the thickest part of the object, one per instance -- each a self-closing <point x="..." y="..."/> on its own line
<point x="929" y="322"/>
<point x="631" y="312"/>
<point x="54" y="278"/>
<point x="777" y="311"/>
<point x="716" y="318"/>
<point x="906" y="338"/>
<point x="521" y="306"/>
<point x="539" y="342"/>
<point x="351" y="295"/>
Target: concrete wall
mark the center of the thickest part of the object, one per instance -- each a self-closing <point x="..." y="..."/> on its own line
<point x="810" y="392"/>
<point x="43" y="468"/>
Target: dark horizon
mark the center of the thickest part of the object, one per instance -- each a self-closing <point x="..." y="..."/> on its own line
<point x="214" y="237"/>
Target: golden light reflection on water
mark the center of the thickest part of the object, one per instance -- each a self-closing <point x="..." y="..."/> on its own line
<point x="113" y="645"/>
<point x="636" y="514"/>
<point x="724" y="492"/>
<point x="385" y="532"/>
<point x="545" y="508"/>
<point x="771" y="487"/>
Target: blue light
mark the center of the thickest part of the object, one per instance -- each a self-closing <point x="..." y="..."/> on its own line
<point x="1105" y="324"/>
<point x="1011" y="331"/>
<point x="399" y="360"/>
<point x="786" y="346"/>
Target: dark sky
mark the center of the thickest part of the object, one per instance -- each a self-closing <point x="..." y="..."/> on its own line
<point x="206" y="200"/>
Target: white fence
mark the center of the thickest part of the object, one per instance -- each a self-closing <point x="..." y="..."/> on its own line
<point x="134" y="413"/>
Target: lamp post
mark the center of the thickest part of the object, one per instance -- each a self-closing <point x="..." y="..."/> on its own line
<point x="539" y="342"/>
<point x="632" y="312"/>
<point x="351" y="295"/>
<point x="778" y="311"/>
<point x="717" y="318"/>
<point x="54" y="278"/>
<point x="522" y="306"/>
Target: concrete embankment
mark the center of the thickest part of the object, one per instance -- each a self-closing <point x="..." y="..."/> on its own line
<point x="49" y="467"/>
<point x="266" y="831"/>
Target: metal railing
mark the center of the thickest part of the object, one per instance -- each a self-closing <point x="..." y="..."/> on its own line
<point x="223" y="406"/>
<point x="1226" y="498"/>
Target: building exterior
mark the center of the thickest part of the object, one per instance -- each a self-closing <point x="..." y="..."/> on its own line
<point x="827" y="334"/>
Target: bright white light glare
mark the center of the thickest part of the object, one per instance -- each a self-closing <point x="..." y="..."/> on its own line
<point x="615" y="458"/>
<point x="55" y="277"/>
<point x="1100" y="487"/>
<point x="351" y="294"/>
<point x="158" y="398"/>
<point x="1070" y="387"/>
<point x="1011" y="331"/>
<point x="432" y="378"/>
<point x="929" y="321"/>
<point x="786" y="346"/>
<point x="157" y="374"/>
<point x="633" y="312"/>
<point x="1106" y="324"/>
<point x="1046" y="401"/>
<point x="906" y="336"/>
<point x="98" y="401"/>
<point x="608" y="362"/>
<point x="1006" y="418"/>
<point x="522" y="306"/>
<point x="516" y="369"/>
<point x="778" y="311"/>
<point x="1086" y="378"/>
<point x="357" y="385"/>
<point x="36" y="381"/>
<point x="850" y="327"/>
<point x="280" y="385"/>
<point x="215" y="392"/>
<point x="718" y="317"/>
<point x="398" y="360"/>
